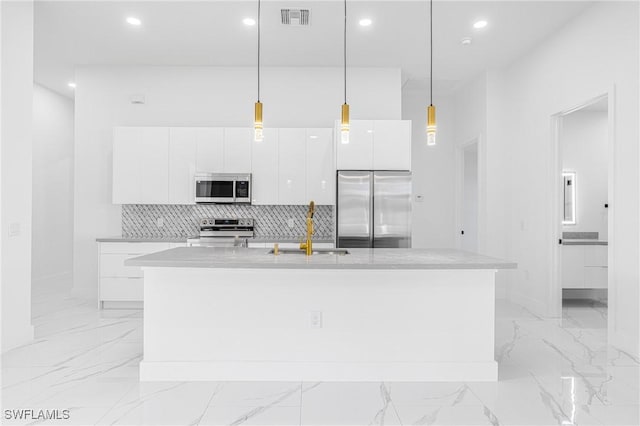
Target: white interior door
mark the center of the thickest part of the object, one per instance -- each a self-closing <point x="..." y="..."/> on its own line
<point x="469" y="231"/>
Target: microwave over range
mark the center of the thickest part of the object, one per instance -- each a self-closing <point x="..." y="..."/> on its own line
<point x="223" y="188"/>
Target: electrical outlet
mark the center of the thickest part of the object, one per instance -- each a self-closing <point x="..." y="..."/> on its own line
<point x="419" y="198"/>
<point x="315" y="319"/>
<point x="160" y="222"/>
<point x="526" y="275"/>
<point x="14" y="229"/>
<point x="290" y="222"/>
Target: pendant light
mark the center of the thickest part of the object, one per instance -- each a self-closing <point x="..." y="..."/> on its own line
<point x="258" y="134"/>
<point x="344" y="124"/>
<point x="431" y="110"/>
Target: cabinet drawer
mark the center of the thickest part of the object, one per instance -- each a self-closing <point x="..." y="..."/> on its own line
<point x="112" y="265"/>
<point x="573" y="266"/>
<point x="595" y="255"/>
<point x="133" y="248"/>
<point x="121" y="289"/>
<point x="595" y="276"/>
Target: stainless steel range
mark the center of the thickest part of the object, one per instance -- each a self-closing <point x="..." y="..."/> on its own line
<point x="223" y="232"/>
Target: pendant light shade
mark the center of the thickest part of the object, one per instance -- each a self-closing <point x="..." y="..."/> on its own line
<point x="431" y="125"/>
<point x="344" y="122"/>
<point x="344" y="125"/>
<point x="258" y="134"/>
<point x="431" y="110"/>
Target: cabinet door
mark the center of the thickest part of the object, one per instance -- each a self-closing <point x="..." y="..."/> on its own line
<point x="237" y="149"/>
<point x="291" y="166"/>
<point x="210" y="149"/>
<point x="321" y="171"/>
<point x="182" y="164"/>
<point x="595" y="255"/>
<point x="127" y="165"/>
<point x="358" y="153"/>
<point x="155" y="165"/>
<point x="572" y="266"/>
<point x="264" y="169"/>
<point x="392" y="145"/>
<point x="596" y="276"/>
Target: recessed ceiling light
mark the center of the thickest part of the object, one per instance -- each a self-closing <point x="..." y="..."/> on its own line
<point x="365" y="22"/>
<point x="249" y="21"/>
<point x="480" y="24"/>
<point x="132" y="20"/>
<point x="465" y="41"/>
<point x="71" y="84"/>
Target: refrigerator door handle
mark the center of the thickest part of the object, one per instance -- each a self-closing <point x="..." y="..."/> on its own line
<point x="372" y="212"/>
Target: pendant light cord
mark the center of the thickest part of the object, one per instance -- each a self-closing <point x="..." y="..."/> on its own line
<point x="345" y="51"/>
<point x="258" y="50"/>
<point x="431" y="52"/>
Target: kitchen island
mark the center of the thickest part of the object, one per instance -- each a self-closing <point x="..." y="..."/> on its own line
<point x="373" y="314"/>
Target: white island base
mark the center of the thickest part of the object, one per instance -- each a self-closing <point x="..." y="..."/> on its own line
<point x="234" y="324"/>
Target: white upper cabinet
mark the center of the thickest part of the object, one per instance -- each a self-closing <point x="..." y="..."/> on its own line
<point x="321" y="171"/>
<point x="141" y="165"/>
<point x="183" y="152"/>
<point x="375" y="145"/>
<point x="264" y="169"/>
<point x="210" y="149"/>
<point x="392" y="145"/>
<point x="291" y="166"/>
<point x="127" y="161"/>
<point x="358" y="153"/>
<point x="155" y="165"/>
<point x="237" y="149"/>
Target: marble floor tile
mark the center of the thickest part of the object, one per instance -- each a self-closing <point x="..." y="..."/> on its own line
<point x="348" y="404"/>
<point x="260" y="415"/>
<point x="258" y="394"/>
<point x="552" y="371"/>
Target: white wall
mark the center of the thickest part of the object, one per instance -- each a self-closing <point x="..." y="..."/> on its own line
<point x="52" y="237"/>
<point x="198" y="96"/>
<point x="584" y="143"/>
<point x="433" y="219"/>
<point x="588" y="57"/>
<point x="15" y="155"/>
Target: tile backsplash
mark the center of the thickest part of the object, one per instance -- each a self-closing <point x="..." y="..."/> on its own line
<point x="141" y="220"/>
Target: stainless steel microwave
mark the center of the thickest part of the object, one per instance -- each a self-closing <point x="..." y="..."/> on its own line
<point x="223" y="188"/>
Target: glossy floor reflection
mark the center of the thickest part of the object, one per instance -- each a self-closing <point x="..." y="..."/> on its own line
<point x="552" y="372"/>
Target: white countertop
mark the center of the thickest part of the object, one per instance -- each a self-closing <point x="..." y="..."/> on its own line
<point x="584" y="242"/>
<point x="258" y="258"/>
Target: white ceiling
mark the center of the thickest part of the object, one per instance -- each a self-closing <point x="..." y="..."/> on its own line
<point x="201" y="33"/>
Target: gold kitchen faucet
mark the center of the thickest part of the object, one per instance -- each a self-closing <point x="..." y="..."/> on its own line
<point x="307" y="245"/>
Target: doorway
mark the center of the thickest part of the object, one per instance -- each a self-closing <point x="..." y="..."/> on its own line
<point x="581" y="219"/>
<point x="469" y="197"/>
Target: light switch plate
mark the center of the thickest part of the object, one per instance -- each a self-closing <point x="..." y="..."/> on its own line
<point x="14" y="229"/>
<point x="315" y="319"/>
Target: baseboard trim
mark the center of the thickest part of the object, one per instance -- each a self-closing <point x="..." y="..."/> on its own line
<point x="319" y="371"/>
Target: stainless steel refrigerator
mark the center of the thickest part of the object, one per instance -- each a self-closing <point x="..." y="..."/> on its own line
<point x="373" y="209"/>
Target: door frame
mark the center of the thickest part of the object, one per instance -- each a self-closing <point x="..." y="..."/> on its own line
<point x="459" y="160"/>
<point x="556" y="201"/>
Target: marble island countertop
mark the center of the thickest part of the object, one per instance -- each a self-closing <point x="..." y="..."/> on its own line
<point x="259" y="258"/>
<point x="584" y="242"/>
<point x="121" y="239"/>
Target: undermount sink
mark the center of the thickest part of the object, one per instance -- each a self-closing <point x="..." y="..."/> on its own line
<point x="334" y="251"/>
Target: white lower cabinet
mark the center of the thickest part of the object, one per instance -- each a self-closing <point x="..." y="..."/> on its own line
<point x="120" y="283"/>
<point x="584" y="266"/>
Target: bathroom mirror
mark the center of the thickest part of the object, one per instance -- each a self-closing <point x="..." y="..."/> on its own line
<point x="569" y="191"/>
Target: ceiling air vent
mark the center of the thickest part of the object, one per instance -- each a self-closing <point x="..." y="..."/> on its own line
<point x="295" y="17"/>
